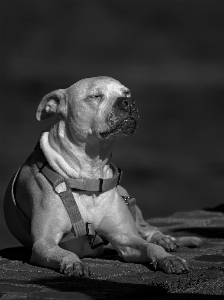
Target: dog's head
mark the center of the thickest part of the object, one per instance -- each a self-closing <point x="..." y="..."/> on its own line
<point x="98" y="106"/>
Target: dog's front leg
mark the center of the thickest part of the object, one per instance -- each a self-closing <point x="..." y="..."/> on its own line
<point x="120" y="230"/>
<point x="49" y="224"/>
<point x="134" y="249"/>
<point x="47" y="254"/>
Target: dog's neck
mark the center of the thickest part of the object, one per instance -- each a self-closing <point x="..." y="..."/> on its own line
<point x="75" y="158"/>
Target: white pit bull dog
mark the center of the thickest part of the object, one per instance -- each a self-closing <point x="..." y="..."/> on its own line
<point x="65" y="202"/>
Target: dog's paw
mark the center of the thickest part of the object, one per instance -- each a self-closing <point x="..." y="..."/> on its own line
<point x="190" y="241"/>
<point x="173" y="264"/>
<point x="168" y="242"/>
<point x="76" y="269"/>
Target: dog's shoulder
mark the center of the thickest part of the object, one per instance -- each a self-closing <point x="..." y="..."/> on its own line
<point x="31" y="183"/>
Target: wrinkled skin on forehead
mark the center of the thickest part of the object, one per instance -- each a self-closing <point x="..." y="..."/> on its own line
<point x="90" y="106"/>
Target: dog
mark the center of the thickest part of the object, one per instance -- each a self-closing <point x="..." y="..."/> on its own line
<point x="66" y="202"/>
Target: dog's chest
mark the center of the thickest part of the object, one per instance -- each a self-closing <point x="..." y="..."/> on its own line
<point x="93" y="207"/>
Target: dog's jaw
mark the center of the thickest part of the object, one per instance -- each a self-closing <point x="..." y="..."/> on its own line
<point x="124" y="128"/>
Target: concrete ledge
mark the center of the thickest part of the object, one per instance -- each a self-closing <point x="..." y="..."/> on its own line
<point x="114" y="279"/>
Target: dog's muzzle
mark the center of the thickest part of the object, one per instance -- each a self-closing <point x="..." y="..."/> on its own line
<point x="122" y="119"/>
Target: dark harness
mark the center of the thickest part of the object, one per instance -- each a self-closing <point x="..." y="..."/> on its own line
<point x="64" y="186"/>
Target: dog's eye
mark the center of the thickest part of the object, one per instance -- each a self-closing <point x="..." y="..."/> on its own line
<point x="97" y="96"/>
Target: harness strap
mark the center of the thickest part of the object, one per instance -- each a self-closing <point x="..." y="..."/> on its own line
<point x="73" y="212"/>
<point x="59" y="184"/>
<point x="84" y="184"/>
<point x="96" y="185"/>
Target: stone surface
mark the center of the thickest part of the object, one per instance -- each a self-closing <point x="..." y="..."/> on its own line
<point x="114" y="279"/>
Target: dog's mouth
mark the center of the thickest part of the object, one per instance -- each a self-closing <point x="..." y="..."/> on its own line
<point x="122" y="119"/>
<point x="125" y="127"/>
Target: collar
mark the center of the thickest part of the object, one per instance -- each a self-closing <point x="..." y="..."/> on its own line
<point x="95" y="185"/>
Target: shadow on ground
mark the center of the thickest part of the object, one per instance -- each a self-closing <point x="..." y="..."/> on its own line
<point x="218" y="208"/>
<point x="16" y="253"/>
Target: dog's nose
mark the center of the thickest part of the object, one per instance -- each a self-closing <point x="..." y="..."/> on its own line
<point x="126" y="103"/>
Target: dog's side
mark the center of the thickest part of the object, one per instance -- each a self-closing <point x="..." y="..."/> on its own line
<point x="90" y="116"/>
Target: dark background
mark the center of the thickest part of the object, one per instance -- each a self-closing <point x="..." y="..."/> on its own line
<point x="169" y="53"/>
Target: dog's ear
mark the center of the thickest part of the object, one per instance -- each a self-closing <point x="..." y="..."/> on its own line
<point x="52" y="103"/>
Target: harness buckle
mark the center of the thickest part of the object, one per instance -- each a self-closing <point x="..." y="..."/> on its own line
<point x="61" y="188"/>
<point x="93" y="238"/>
